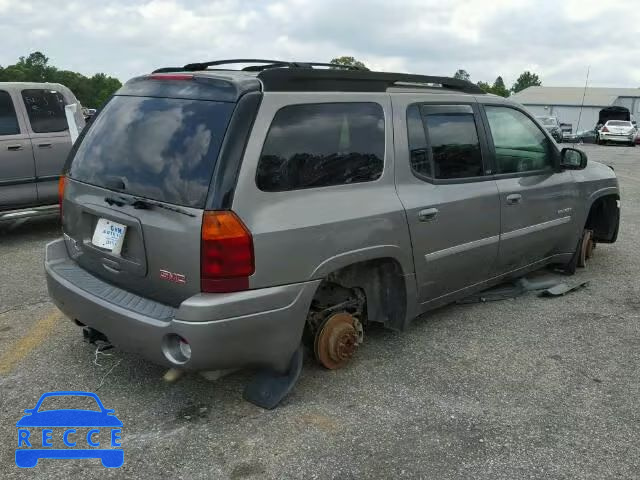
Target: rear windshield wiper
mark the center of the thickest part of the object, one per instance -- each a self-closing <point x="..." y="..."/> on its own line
<point x="144" y="204"/>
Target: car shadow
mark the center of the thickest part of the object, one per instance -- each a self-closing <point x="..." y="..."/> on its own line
<point x="40" y="228"/>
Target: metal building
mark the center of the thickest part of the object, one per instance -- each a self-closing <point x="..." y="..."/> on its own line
<point x="565" y="103"/>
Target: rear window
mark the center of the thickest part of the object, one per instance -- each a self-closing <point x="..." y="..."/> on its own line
<point x="322" y="144"/>
<point x="159" y="148"/>
<point x="618" y="123"/>
<point x="45" y="109"/>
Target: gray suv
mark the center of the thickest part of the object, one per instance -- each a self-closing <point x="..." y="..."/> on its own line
<point x="34" y="144"/>
<point x="216" y="218"/>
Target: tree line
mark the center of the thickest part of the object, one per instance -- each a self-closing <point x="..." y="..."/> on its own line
<point x="498" y="87"/>
<point x="91" y="91"/>
<point x="95" y="90"/>
<point x="525" y="80"/>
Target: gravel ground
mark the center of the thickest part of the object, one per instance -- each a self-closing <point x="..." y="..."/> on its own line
<point x="524" y="388"/>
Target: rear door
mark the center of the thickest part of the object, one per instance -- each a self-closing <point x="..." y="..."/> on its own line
<point x="50" y="138"/>
<point x="17" y="170"/>
<point x="143" y="169"/>
<point x="449" y="195"/>
<point x="537" y="200"/>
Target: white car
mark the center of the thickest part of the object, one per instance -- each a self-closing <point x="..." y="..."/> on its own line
<point x="619" y="131"/>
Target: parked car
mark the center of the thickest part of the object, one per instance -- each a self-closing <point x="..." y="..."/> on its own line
<point x="213" y="219"/>
<point x="552" y="124"/>
<point x="584" y="136"/>
<point x="618" y="131"/>
<point x="34" y="144"/>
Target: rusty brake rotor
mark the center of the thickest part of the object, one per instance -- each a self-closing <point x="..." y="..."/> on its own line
<point x="337" y="340"/>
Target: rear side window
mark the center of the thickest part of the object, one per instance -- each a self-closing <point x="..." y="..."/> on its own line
<point x="159" y="148"/>
<point x="45" y="109"/>
<point x="323" y="144"/>
<point x="443" y="141"/>
<point x="8" y="119"/>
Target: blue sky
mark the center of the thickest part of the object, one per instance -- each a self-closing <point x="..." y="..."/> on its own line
<point x="124" y="38"/>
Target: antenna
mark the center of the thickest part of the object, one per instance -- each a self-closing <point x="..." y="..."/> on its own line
<point x="583" y="95"/>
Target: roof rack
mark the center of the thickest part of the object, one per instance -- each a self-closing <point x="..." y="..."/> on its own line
<point x="301" y="79"/>
<point x="262" y="64"/>
<point x="279" y="75"/>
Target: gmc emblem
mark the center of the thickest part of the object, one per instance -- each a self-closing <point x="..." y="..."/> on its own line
<point x="172" y="277"/>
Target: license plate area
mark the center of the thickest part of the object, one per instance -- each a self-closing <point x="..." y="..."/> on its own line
<point x="109" y="235"/>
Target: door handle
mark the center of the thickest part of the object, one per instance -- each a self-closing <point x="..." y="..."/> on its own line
<point x="15" y="148"/>
<point x="427" y="214"/>
<point x="514" y="199"/>
<point x="44" y="145"/>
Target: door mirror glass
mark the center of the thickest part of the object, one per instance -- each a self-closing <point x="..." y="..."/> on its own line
<point x="573" y="159"/>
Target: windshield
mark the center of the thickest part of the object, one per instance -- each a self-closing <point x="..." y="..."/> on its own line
<point x="618" y="123"/>
<point x="159" y="148"/>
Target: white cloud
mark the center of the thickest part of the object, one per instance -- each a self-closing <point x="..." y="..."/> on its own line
<point x="558" y="40"/>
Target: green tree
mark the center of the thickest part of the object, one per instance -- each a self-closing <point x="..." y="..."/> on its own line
<point x="499" y="88"/>
<point x="92" y="92"/>
<point x="485" y="86"/>
<point x="462" y="75"/>
<point x="525" y="80"/>
<point x="349" y="61"/>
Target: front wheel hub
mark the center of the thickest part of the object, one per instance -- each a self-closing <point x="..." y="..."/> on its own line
<point x="337" y="340"/>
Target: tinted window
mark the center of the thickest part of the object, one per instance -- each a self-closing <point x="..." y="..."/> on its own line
<point x="160" y="148"/>
<point x="318" y="145"/>
<point x="8" y="119"/>
<point x="520" y="145"/>
<point x="454" y="143"/>
<point x="418" y="152"/>
<point x="618" y="123"/>
<point x="46" y="110"/>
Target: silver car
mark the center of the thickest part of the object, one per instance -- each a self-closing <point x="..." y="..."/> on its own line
<point x="34" y="145"/>
<point x="618" y="131"/>
<point x="216" y="219"/>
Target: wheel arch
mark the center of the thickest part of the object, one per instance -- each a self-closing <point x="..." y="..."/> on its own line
<point x="388" y="288"/>
<point x="603" y="216"/>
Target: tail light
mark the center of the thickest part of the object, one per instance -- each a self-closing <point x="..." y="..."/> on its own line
<point x="605" y="129"/>
<point x="226" y="253"/>
<point x="62" y="183"/>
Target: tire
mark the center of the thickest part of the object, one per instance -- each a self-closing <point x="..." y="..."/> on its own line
<point x="581" y="254"/>
<point x="586" y="248"/>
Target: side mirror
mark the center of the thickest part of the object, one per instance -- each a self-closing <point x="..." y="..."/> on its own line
<point x="573" y="159"/>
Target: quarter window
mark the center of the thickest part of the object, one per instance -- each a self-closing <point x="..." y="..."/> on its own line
<point x="45" y="109"/>
<point x="318" y="145"/>
<point x="8" y="118"/>
<point x="519" y="144"/>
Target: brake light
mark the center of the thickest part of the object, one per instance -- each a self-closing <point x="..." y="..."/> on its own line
<point x="226" y="253"/>
<point x="605" y="129"/>
<point x="62" y="183"/>
<point x="170" y="76"/>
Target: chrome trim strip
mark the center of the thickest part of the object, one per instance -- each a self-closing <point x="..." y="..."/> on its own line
<point x="535" y="228"/>
<point x="483" y="242"/>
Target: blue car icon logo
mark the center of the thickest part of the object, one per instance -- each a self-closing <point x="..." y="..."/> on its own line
<point x="69" y="433"/>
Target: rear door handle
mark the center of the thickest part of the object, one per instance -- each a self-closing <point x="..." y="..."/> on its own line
<point x="15" y="148"/>
<point x="44" y="145"/>
<point x="427" y="214"/>
<point x="514" y="199"/>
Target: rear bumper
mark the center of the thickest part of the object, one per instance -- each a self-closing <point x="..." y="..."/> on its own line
<point x="260" y="327"/>
<point x="609" y="137"/>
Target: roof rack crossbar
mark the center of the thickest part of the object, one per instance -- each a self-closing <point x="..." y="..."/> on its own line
<point x="205" y="65"/>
